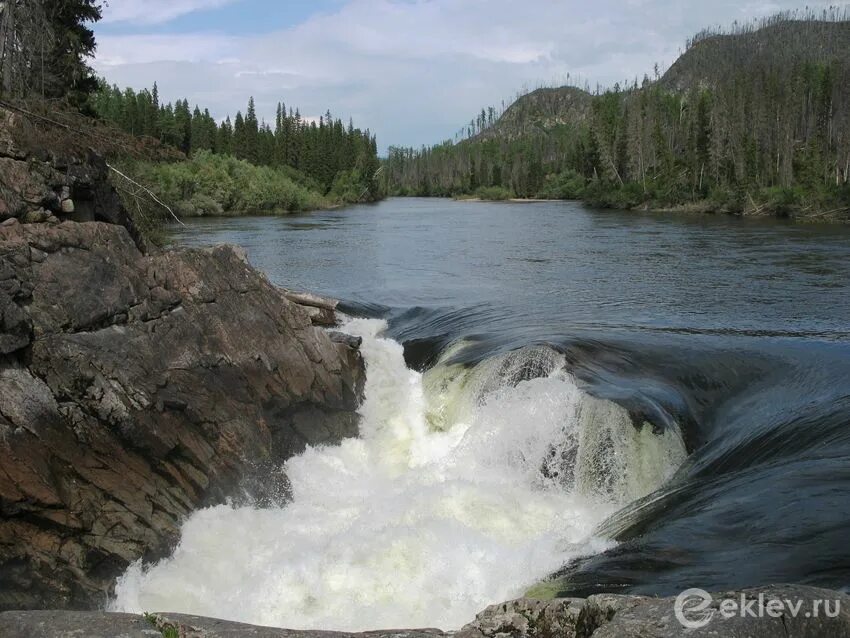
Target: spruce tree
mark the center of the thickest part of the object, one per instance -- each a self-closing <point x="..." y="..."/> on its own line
<point x="183" y="125"/>
<point x="239" y="138"/>
<point x="251" y="149"/>
<point x="224" y="140"/>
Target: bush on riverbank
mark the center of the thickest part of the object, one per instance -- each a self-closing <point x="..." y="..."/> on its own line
<point x="566" y="185"/>
<point x="209" y="184"/>
<point x="816" y="203"/>
<point x="348" y="187"/>
<point x="489" y="194"/>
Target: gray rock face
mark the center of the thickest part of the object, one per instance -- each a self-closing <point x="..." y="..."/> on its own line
<point x="600" y="616"/>
<point x="655" y="618"/>
<point x="527" y="617"/>
<point x="58" y="624"/>
<point x="53" y="624"/>
<point x="322" y="310"/>
<point x="135" y="388"/>
<point x="199" y="627"/>
<point x="64" y="624"/>
<point x="617" y="616"/>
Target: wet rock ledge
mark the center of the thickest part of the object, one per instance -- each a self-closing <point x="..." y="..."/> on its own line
<point x="135" y="388"/>
<point x="599" y="616"/>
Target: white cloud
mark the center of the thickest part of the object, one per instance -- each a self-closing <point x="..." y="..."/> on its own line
<point x="117" y="51"/>
<point x="415" y="71"/>
<point x="148" y="12"/>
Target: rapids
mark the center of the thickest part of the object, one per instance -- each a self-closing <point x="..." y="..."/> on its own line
<point x="466" y="486"/>
<point x="611" y="401"/>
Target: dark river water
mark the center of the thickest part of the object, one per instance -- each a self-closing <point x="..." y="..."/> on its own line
<point x="736" y="330"/>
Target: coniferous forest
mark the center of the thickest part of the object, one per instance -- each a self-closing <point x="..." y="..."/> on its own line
<point x="753" y="120"/>
<point x="198" y="165"/>
<point x="326" y="157"/>
<point x="750" y="120"/>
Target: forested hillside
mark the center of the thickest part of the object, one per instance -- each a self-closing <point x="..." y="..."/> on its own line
<point x="337" y="159"/>
<point x="755" y="120"/>
<point x="186" y="159"/>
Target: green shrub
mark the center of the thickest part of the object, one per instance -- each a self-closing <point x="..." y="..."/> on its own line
<point x="209" y="184"/>
<point x="566" y="185"/>
<point x="725" y="200"/>
<point x="782" y="201"/>
<point x="348" y="187"/>
<point x="493" y="193"/>
<point x="608" y="195"/>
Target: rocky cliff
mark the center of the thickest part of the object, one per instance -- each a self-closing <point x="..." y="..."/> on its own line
<point x="137" y="387"/>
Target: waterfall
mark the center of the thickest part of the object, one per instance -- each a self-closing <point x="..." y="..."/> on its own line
<point x="466" y="486"/>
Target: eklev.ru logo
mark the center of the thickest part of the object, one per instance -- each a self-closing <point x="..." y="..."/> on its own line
<point x="695" y="608"/>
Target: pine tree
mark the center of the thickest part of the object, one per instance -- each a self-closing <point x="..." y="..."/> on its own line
<point x="328" y="152"/>
<point x="183" y="125"/>
<point x="252" y="128"/>
<point x="239" y="138"/>
<point x="224" y="140"/>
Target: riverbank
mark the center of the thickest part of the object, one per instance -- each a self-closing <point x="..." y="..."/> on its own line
<point x="840" y="215"/>
<point x="149" y="182"/>
<point x="513" y="200"/>
<point x="211" y="185"/>
<point x="818" y="216"/>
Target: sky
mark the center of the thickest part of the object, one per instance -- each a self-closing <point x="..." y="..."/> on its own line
<point x="412" y="71"/>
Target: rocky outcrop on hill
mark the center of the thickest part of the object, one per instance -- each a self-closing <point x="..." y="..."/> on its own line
<point x="538" y="112"/>
<point x="599" y="616"/>
<point x="38" y="185"/>
<point x="712" y="55"/>
<point x="135" y="388"/>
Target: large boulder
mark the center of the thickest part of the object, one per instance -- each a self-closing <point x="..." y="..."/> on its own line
<point x="135" y="388"/>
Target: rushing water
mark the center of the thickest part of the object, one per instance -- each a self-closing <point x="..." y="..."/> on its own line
<point x="627" y="402"/>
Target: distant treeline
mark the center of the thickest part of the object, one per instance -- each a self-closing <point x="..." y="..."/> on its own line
<point x="753" y="120"/>
<point x="333" y="155"/>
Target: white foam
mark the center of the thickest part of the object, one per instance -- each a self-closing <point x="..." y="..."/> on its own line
<point x="454" y="497"/>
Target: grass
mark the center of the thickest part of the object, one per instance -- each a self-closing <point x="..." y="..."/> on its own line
<point x="46" y="125"/>
<point x="545" y="590"/>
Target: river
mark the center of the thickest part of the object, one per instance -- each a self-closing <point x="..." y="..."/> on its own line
<point x="601" y="400"/>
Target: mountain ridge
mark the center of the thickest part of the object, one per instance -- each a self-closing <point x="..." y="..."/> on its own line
<point x="751" y="122"/>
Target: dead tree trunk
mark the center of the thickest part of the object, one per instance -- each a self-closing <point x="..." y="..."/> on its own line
<point x="7" y="44"/>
